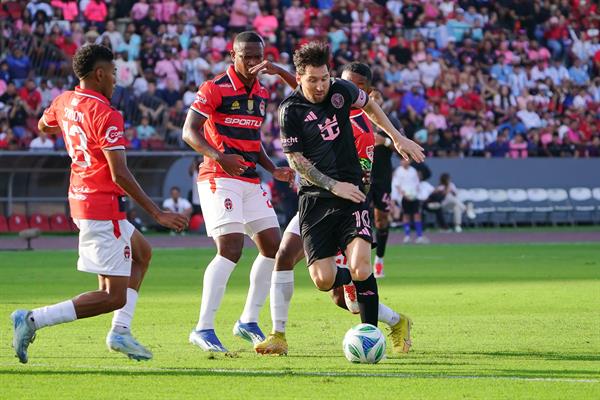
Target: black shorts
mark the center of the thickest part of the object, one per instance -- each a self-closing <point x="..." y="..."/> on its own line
<point x="380" y="193"/>
<point x="327" y="225"/>
<point x="410" y="207"/>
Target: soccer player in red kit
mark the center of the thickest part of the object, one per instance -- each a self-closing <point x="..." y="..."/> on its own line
<point x="223" y="124"/>
<point x="109" y="245"/>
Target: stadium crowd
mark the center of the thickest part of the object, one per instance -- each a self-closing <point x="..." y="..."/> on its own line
<point x="507" y="78"/>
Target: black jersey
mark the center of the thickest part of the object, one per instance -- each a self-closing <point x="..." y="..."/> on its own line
<point x="382" y="156"/>
<point x="323" y="133"/>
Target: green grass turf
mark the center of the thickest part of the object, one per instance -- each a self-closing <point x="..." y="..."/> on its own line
<point x="491" y="321"/>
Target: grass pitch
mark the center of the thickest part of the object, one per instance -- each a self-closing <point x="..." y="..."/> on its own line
<point x="491" y="322"/>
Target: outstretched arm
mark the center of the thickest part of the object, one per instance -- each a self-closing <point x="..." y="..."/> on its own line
<point x="308" y="171"/>
<point x="406" y="147"/>
<point x="267" y="67"/>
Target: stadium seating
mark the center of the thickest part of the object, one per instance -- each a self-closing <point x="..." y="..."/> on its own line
<point x="481" y="204"/>
<point x="561" y="207"/>
<point x="542" y="210"/>
<point x="39" y="221"/>
<point x="59" y="223"/>
<point x="584" y="205"/>
<point x="3" y="224"/>
<point x="502" y="207"/>
<point x="522" y="207"/>
<point x="17" y="222"/>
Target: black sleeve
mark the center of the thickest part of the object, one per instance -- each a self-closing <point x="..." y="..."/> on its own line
<point x="357" y="98"/>
<point x="291" y="130"/>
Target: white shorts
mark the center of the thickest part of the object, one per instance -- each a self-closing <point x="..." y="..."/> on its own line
<point x="105" y="247"/>
<point x="294" y="226"/>
<point x="235" y="206"/>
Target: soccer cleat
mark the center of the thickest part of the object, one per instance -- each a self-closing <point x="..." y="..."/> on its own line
<point x="207" y="340"/>
<point x="24" y="333"/>
<point x="400" y="335"/>
<point x="275" y="343"/>
<point x="471" y="214"/>
<point x="350" y="298"/>
<point x="378" y="269"/>
<point x="248" y="331"/>
<point x="125" y="343"/>
<point x="458" y="229"/>
<point x="422" y="240"/>
<point x="406" y="240"/>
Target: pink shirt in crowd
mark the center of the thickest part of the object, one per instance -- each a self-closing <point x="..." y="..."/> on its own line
<point x="139" y="11"/>
<point x="69" y="9"/>
<point x="96" y="11"/>
<point x="517" y="150"/>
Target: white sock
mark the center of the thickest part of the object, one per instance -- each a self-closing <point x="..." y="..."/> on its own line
<point x="213" y="288"/>
<point x="260" y="282"/>
<point x="121" y="321"/>
<point x="378" y="260"/>
<point x="281" y="295"/>
<point x="54" y="314"/>
<point x="387" y="315"/>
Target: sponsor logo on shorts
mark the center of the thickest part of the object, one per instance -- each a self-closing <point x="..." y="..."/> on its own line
<point x="127" y="252"/>
<point x="113" y="134"/>
<point x="228" y="204"/>
<point x="337" y="100"/>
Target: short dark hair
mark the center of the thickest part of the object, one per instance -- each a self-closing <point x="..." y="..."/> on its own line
<point x="360" y="69"/>
<point x="86" y="58"/>
<point x="315" y="54"/>
<point x="175" y="188"/>
<point x="248" y="37"/>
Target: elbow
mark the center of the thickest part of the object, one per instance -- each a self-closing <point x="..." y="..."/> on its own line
<point x="186" y="135"/>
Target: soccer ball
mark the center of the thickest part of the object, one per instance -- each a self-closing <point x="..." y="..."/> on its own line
<point x="365" y="344"/>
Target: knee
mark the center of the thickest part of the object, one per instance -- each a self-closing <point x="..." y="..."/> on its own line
<point x="271" y="250"/>
<point x="231" y="251"/>
<point x="360" y="269"/>
<point x="322" y="281"/>
<point x="381" y="223"/>
<point x="285" y="259"/>
<point x="116" y="300"/>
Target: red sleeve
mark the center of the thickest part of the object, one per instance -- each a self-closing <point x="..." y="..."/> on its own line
<point x="207" y="99"/>
<point x="49" y="116"/>
<point x="110" y="134"/>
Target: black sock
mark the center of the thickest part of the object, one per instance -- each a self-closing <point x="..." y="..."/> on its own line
<point x="368" y="300"/>
<point x="381" y="236"/>
<point x="342" y="277"/>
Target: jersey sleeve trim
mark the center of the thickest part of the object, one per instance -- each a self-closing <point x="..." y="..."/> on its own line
<point x="200" y="112"/>
<point x="45" y="121"/>
<point x="114" y="148"/>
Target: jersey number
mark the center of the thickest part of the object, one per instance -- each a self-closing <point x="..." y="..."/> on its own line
<point x="77" y="145"/>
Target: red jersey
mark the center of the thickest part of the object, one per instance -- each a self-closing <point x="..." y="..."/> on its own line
<point x="364" y="138"/>
<point x="234" y="118"/>
<point x="89" y="125"/>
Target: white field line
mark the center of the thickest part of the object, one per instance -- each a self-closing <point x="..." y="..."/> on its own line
<point x="286" y="372"/>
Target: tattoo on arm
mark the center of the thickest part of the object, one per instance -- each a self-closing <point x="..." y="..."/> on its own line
<point x="308" y="171"/>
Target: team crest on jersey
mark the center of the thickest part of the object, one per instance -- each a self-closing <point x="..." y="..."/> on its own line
<point x="127" y="253"/>
<point x="235" y="105"/>
<point x="250" y="106"/>
<point x="228" y="204"/>
<point x="261" y="108"/>
<point x="331" y="129"/>
<point x="370" y="152"/>
<point x="337" y="100"/>
<point x="113" y="134"/>
<point x="201" y="98"/>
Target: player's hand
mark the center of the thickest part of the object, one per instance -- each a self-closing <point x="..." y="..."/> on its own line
<point x="285" y="174"/>
<point x="379" y="140"/>
<point x="409" y="149"/>
<point x="265" y="67"/>
<point x="348" y="191"/>
<point x="233" y="164"/>
<point x="174" y="221"/>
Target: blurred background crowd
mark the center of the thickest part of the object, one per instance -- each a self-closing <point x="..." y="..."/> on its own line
<point x="478" y="78"/>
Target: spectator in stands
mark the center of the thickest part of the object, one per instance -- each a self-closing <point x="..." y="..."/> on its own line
<point x="451" y="202"/>
<point x="500" y="147"/>
<point x="518" y="147"/>
<point x="41" y="142"/>
<point x="96" y="12"/>
<point x="19" y="66"/>
<point x="145" y="131"/>
<point x="151" y="106"/>
<point x="133" y="142"/>
<point x="177" y="204"/>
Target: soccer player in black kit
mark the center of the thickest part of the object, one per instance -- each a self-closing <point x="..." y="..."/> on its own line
<point x="317" y="137"/>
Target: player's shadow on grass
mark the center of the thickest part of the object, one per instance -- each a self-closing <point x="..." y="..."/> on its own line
<point x="534" y="354"/>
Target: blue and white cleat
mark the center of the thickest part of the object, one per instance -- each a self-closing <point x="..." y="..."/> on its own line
<point x="248" y="331"/>
<point x="207" y="340"/>
<point x="24" y="333"/>
<point x="126" y="344"/>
